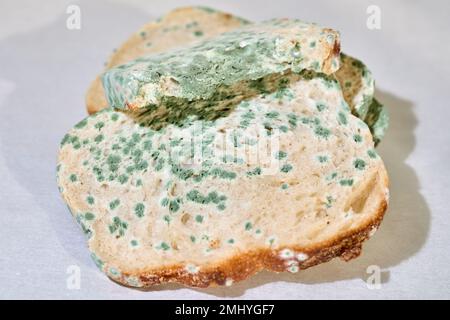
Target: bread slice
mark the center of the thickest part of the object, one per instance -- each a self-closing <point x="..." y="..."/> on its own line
<point x="245" y="54"/>
<point x="189" y="25"/>
<point x="180" y="27"/>
<point x="358" y="86"/>
<point x="358" y="83"/>
<point x="284" y="181"/>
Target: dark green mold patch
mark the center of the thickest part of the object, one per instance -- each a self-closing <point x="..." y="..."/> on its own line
<point x="286" y="168"/>
<point x="359" y="164"/>
<point x="82" y="222"/>
<point x="346" y="182"/>
<point x="372" y="153"/>
<point x="99" y="125"/>
<point x="320" y="106"/>
<point x="98" y="262"/>
<point x="114" y="204"/>
<point x="113" y="162"/>
<point x="223" y="174"/>
<point x="167" y="219"/>
<point x="342" y="118"/>
<point x="99" y="138"/>
<point x="165" y="202"/>
<point x="357" y="138"/>
<point x="255" y="172"/>
<point x="211" y="198"/>
<point x="280" y="155"/>
<point x="332" y="176"/>
<point x="322" y="159"/>
<point x="90" y="200"/>
<point x="329" y="202"/>
<point x="198" y="33"/>
<point x="322" y="132"/>
<point x="139" y="210"/>
<point x="163" y="246"/>
<point x="199" y="218"/>
<point x="89" y="216"/>
<point x="272" y="114"/>
<point x="206" y="9"/>
<point x="118" y="227"/>
<point x="81" y="124"/>
<point x="174" y="205"/>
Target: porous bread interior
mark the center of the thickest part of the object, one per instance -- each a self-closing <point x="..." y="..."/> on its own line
<point x="314" y="207"/>
<point x="178" y="28"/>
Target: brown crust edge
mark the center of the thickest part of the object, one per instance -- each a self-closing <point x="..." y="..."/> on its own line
<point x="346" y="246"/>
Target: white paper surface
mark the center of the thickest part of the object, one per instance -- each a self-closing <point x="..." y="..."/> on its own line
<point x="45" y="70"/>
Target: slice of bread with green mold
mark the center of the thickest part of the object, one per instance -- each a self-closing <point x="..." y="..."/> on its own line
<point x="358" y="86"/>
<point x="189" y="25"/>
<point x="284" y="181"/>
<point x="197" y="72"/>
<point x="179" y="28"/>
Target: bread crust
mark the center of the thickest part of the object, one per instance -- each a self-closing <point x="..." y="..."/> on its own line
<point x="347" y="246"/>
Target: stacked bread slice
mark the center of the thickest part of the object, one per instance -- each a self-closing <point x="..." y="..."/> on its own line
<point x="192" y="25"/>
<point x="229" y="156"/>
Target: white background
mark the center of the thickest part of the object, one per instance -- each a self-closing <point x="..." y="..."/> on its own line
<point x="45" y="70"/>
